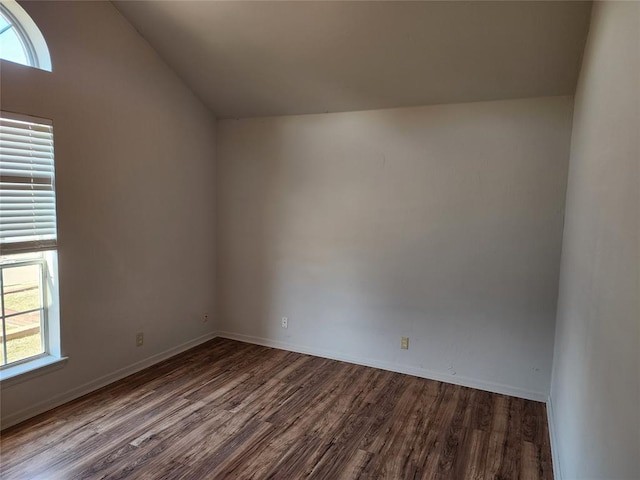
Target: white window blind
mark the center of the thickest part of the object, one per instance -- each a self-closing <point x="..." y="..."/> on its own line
<point x="27" y="187"/>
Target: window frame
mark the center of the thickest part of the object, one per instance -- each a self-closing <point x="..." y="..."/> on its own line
<point x="51" y="357"/>
<point x="43" y="309"/>
<point x="35" y="46"/>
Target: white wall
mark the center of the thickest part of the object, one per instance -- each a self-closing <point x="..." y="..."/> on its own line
<point x="595" y="394"/>
<point x="440" y="223"/>
<point x="135" y="173"/>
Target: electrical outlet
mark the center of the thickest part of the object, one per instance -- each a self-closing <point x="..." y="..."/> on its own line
<point x="404" y="343"/>
<point x="205" y="317"/>
<point x="139" y="339"/>
<point x="285" y="322"/>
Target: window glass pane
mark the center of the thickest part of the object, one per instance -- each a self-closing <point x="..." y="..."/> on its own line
<point x="21" y="288"/>
<point x="24" y="336"/>
<point x="11" y="47"/>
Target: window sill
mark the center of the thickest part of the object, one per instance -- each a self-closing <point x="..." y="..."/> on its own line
<point x="28" y="370"/>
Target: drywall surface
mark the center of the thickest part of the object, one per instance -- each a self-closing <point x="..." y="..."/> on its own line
<point x="595" y="393"/>
<point x="439" y="223"/>
<point x="254" y="59"/>
<point x="135" y="172"/>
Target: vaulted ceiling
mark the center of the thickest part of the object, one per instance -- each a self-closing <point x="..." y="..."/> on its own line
<point x="262" y="58"/>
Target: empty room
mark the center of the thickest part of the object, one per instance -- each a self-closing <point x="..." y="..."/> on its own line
<point x="320" y="239"/>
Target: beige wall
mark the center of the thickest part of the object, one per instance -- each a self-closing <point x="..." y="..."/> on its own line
<point x="135" y="181"/>
<point x="440" y="223"/>
<point x="595" y="392"/>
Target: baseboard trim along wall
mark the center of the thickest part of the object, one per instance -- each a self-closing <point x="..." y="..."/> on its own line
<point x="105" y="380"/>
<point x="555" y="457"/>
<point x="100" y="382"/>
<point x="393" y="367"/>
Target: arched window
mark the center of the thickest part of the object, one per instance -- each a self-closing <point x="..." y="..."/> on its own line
<point x="20" y="39"/>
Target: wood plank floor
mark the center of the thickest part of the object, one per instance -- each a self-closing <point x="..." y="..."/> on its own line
<point x="228" y="409"/>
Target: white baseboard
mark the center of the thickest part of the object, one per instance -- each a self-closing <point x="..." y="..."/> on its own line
<point x="56" y="401"/>
<point x="93" y="385"/>
<point x="553" y="439"/>
<point x="393" y="367"/>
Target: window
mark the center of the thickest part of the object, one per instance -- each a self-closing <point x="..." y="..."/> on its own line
<point x="28" y="240"/>
<point x="23" y="312"/>
<point x="20" y="39"/>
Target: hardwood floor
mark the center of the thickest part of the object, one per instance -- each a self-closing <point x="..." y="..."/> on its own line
<point x="228" y="409"/>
